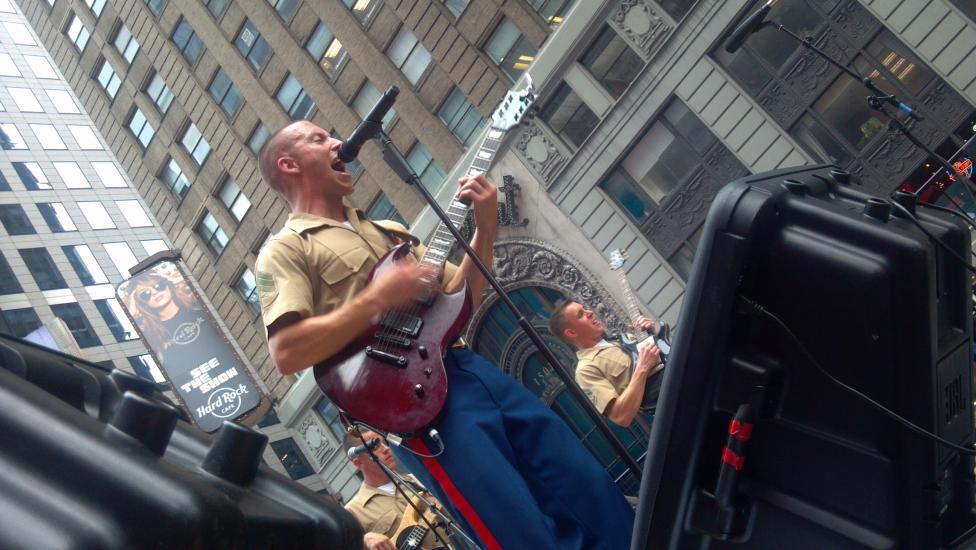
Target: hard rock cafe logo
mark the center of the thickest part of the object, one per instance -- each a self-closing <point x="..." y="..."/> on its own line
<point x="186" y="333"/>
<point x="223" y="402"/>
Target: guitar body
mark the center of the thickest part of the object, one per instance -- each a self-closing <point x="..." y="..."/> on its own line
<point x="392" y="376"/>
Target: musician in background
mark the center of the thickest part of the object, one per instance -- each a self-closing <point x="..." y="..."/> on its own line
<point x="506" y="467"/>
<point x="605" y="370"/>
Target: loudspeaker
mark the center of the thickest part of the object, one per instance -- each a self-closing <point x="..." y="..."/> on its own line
<point x="808" y="465"/>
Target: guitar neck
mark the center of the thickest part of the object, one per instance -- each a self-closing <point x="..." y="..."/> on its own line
<point x="631" y="303"/>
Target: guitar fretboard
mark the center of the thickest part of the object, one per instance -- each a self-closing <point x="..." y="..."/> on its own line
<point x="631" y="303"/>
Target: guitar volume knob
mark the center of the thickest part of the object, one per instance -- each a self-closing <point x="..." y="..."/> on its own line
<point x="419" y="390"/>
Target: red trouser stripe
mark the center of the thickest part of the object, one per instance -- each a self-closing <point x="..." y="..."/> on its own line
<point x="456" y="497"/>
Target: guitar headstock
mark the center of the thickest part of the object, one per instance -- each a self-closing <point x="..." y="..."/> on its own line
<point x="513" y="107"/>
<point x="617" y="258"/>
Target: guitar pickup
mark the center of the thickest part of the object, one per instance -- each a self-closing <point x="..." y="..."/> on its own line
<point x="393" y="340"/>
<point x="402" y="323"/>
<point x="395" y="360"/>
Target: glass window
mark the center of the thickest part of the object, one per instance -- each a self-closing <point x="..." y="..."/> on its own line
<point x="96" y="215"/>
<point x="291" y="458"/>
<point x="21" y="322"/>
<point x="431" y="174"/>
<point x="553" y="11"/>
<point x="509" y="49"/>
<point x="225" y="93"/>
<point x="259" y="136"/>
<point x="212" y="234"/>
<point x="8" y="281"/>
<point x="364" y="10"/>
<point x="56" y="216"/>
<point x="116" y="319"/>
<point x="234" y="199"/>
<point x="71" y="175"/>
<point x="216" y="7"/>
<point x="156" y="6"/>
<point x="330" y="414"/>
<point x="612" y="62"/>
<point x="86" y="266"/>
<point x="172" y="176"/>
<point x="146" y="367"/>
<point x="31" y="175"/>
<point x="326" y="50"/>
<point x="78" y="324"/>
<point x="19" y="33"/>
<point x="141" y="127"/>
<point x="187" y="41"/>
<point x="159" y="92"/>
<point x="96" y="6"/>
<point x="77" y="32"/>
<point x="7" y="67"/>
<point x="134" y="214"/>
<point x="569" y="117"/>
<point x="42" y="267"/>
<point x="253" y="46"/>
<point x="15" y="220"/>
<point x="108" y="78"/>
<point x="461" y="117"/>
<point x="285" y="8"/>
<point x="41" y="67"/>
<point x="153" y="246"/>
<point x="109" y="174"/>
<point x="121" y="256"/>
<point x="408" y="54"/>
<point x="25" y="100"/>
<point x="294" y="100"/>
<point x="7" y="7"/>
<point x="10" y="137"/>
<point x="4" y="184"/>
<point x="48" y="136"/>
<point x="677" y="9"/>
<point x="455" y="6"/>
<point x="383" y="209"/>
<point x="62" y="101"/>
<point x="85" y="137"/>
<point x="194" y="143"/>
<point x="126" y="43"/>
<point x="248" y="290"/>
<point x="367" y="97"/>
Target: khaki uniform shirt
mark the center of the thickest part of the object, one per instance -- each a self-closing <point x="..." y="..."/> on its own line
<point x="379" y="512"/>
<point x="603" y="373"/>
<point x="314" y="264"/>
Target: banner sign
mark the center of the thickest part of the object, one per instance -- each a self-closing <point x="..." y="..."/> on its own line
<point x="191" y="349"/>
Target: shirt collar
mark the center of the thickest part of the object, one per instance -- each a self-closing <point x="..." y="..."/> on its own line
<point x="302" y="221"/>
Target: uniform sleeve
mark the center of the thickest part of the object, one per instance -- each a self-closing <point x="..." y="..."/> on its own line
<point x="595" y="385"/>
<point x="282" y="281"/>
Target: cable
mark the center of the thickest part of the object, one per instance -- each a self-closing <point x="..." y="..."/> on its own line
<point x="950" y="211"/>
<point x="891" y="414"/>
<point x="935" y="239"/>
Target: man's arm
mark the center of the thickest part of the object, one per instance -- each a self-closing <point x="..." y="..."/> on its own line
<point x="624" y="408"/>
<point x="483" y="196"/>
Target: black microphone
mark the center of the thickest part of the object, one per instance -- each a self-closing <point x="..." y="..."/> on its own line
<point x="747" y="27"/>
<point x="370" y="125"/>
<point x="371" y="445"/>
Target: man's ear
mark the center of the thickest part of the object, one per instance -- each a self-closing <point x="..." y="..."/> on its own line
<point x="570" y="333"/>
<point x="287" y="165"/>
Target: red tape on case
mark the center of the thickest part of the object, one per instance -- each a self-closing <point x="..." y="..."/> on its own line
<point x="733" y="459"/>
<point x="740" y="430"/>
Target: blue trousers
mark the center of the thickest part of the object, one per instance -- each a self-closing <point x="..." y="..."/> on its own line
<point x="518" y="467"/>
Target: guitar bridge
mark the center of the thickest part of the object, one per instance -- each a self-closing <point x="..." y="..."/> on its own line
<point x="395" y="360"/>
<point x="393" y="340"/>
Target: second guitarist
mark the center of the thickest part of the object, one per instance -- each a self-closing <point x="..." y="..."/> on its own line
<point x="511" y="471"/>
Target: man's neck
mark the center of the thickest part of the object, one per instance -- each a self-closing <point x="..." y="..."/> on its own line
<point x="325" y="207"/>
<point x="375" y="480"/>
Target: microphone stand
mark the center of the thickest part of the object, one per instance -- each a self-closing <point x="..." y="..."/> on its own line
<point x="395" y="159"/>
<point x="878" y="102"/>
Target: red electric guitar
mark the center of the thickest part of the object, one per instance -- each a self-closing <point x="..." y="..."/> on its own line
<point x="392" y="376"/>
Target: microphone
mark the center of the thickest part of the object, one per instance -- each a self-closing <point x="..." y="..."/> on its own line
<point x="368" y="128"/>
<point x="371" y="444"/>
<point x="747" y="27"/>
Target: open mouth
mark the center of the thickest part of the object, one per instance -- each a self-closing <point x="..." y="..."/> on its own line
<point x="338" y="165"/>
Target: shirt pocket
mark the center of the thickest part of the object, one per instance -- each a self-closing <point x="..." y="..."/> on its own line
<point x="346" y="263"/>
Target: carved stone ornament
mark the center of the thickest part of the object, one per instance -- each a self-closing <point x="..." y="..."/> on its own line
<point x="641" y="25"/>
<point x="317" y="439"/>
<point x="541" y="153"/>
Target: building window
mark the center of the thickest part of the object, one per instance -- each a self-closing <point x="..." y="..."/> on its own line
<point x="212" y="234"/>
<point x="41" y="67"/>
<point x="234" y="199"/>
<point x="108" y="78"/>
<point x="353" y="168"/>
<point x="285" y="8"/>
<point x="8" y="281"/>
<point x="612" y="62"/>
<point x="294" y="99"/>
<point x="216" y="7"/>
<point x="172" y="175"/>
<point x="15" y="220"/>
<point x="253" y="46"/>
<point x="78" y="324"/>
<point x="259" y="136"/>
<point x="246" y="286"/>
<point x="456" y="6"/>
<point x="25" y="100"/>
<point x="511" y="51"/>
<point x="61" y="99"/>
<point x="430" y="173"/>
<point x="4" y="184"/>
<point x="225" y="92"/>
<point x="408" y="54"/>
<point x="363" y="10"/>
<point x="77" y="32"/>
<point x="146" y="367"/>
<point x="19" y="33"/>
<point x="153" y="246"/>
<point x="187" y="41"/>
<point x="291" y="458"/>
<point x="553" y="11"/>
<point x="42" y="267"/>
<point x="141" y="128"/>
<point x="7" y="67"/>
<point x="115" y="318"/>
<point x="47" y="136"/>
<point x="85" y="137"/>
<point x="21" y="322"/>
<point x="159" y="92"/>
<point x="96" y="6"/>
<point x="569" y="117"/>
<point x="367" y="96"/>
<point x="122" y="257"/>
<point x="383" y="209"/>
<point x="134" y="214"/>
<point x="109" y="174"/>
<point x="156" y="6"/>
<point x="56" y="216"/>
<point x="126" y="43"/>
<point x="330" y="414"/>
<point x="10" y="137"/>
<point x="677" y="9"/>
<point x="71" y="175"/>
<point x="32" y="176"/>
<point x="326" y="50"/>
<point x="96" y="215"/>
<point x="85" y="265"/>
<point x="195" y="145"/>
<point x="461" y="117"/>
